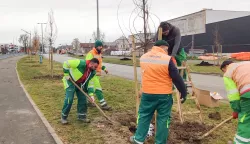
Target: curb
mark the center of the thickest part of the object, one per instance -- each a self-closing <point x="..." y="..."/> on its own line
<point x="40" y="114"/>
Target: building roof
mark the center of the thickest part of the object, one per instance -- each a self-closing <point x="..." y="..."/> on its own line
<point x="213" y="16"/>
<point x="87" y="45"/>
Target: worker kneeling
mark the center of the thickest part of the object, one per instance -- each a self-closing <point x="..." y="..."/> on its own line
<point x="237" y="83"/>
<point x="158" y="75"/>
<point x="81" y="72"/>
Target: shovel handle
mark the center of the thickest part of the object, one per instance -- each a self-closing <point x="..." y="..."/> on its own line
<point x="90" y="100"/>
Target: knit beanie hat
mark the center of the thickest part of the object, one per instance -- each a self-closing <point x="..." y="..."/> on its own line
<point x="161" y="43"/>
<point x="98" y="43"/>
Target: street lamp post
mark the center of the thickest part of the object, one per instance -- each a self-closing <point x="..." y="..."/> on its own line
<point x="98" y="30"/>
<point x="30" y="36"/>
<point x="42" y="35"/>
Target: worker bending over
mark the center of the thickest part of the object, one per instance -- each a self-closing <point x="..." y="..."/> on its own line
<point x="237" y="83"/>
<point x="81" y="72"/>
<point x="158" y="75"/>
<point x="172" y="36"/>
<point x="96" y="52"/>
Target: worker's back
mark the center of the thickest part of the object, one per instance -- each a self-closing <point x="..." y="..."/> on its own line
<point x="240" y="74"/>
<point x="155" y="75"/>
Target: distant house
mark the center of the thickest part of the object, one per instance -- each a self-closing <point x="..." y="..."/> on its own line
<point x="86" y="47"/>
<point x="123" y="44"/>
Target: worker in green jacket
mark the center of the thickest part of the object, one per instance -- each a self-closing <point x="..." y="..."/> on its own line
<point x="81" y="72"/>
<point x="96" y="52"/>
<point x="237" y="82"/>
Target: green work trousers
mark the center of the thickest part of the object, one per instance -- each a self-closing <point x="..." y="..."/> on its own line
<point x="95" y="84"/>
<point x="68" y="101"/>
<point x="162" y="103"/>
<point x="180" y="58"/>
<point x="243" y="130"/>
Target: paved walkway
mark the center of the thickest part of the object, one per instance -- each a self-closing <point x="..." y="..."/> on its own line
<point x="19" y="123"/>
<point x="206" y="82"/>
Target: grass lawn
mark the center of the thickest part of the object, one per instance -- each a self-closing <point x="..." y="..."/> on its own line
<point x="193" y="67"/>
<point x="205" y="69"/>
<point x="48" y="94"/>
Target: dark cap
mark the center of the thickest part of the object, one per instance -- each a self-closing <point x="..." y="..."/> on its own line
<point x="161" y="43"/>
<point x="225" y="63"/>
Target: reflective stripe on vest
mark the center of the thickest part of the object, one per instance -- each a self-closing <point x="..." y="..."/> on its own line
<point x="163" y="62"/>
<point x="245" y="88"/>
<point x="232" y="91"/>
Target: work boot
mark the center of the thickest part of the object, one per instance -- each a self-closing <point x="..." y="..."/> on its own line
<point x="64" y="121"/>
<point x="132" y="140"/>
<point x="84" y="120"/>
<point x="106" y="107"/>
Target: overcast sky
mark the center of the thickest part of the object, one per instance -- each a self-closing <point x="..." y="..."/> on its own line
<point x="77" y="18"/>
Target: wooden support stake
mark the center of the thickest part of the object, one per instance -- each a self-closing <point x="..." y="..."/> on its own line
<point x="159" y="38"/>
<point x="135" y="76"/>
<point x="90" y="100"/>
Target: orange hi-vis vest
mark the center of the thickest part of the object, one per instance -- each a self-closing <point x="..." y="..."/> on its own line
<point x="154" y="70"/>
<point x="95" y="54"/>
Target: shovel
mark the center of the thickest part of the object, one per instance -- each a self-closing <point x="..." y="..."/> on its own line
<point x="90" y="100"/>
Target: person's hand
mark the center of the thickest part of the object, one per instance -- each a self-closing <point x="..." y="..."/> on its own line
<point x="67" y="77"/>
<point x="183" y="99"/>
<point x="174" y="60"/>
<point x="235" y="115"/>
<point x="106" y="71"/>
<point x="92" y="99"/>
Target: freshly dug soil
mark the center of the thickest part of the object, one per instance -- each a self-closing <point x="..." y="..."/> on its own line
<point x="55" y="77"/>
<point x="215" y="116"/>
<point x="204" y="64"/>
<point x="186" y="133"/>
<point x="125" y="59"/>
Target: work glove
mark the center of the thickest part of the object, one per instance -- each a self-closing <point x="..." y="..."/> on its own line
<point x="106" y="71"/>
<point x="67" y="77"/>
<point x="235" y="115"/>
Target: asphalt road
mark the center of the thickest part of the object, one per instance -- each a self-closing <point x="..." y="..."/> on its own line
<point x="4" y="56"/>
<point x="205" y="82"/>
<point x="19" y="123"/>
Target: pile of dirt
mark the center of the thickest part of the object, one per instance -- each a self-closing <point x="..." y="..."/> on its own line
<point x="215" y="116"/>
<point x="126" y="125"/>
<point x="187" y="133"/>
<point x="204" y="64"/>
<point x="125" y="59"/>
<point x="48" y="77"/>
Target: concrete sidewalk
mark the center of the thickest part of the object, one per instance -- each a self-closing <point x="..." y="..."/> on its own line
<point x="19" y="122"/>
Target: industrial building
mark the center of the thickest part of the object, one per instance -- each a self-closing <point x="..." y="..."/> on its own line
<point x="201" y="30"/>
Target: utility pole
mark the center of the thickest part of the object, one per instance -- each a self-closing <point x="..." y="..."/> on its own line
<point x="42" y="35"/>
<point x="98" y="30"/>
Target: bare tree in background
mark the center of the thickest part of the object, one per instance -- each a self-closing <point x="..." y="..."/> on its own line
<point x="76" y="45"/>
<point x="102" y="36"/>
<point x="24" y="40"/>
<point x="51" y="35"/>
<point x="217" y="42"/>
<point x="142" y="35"/>
<point x="35" y="41"/>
